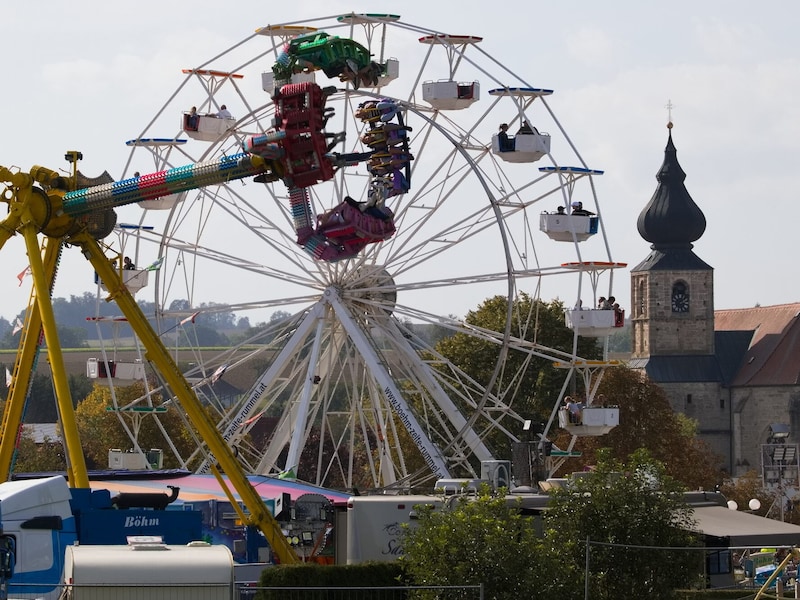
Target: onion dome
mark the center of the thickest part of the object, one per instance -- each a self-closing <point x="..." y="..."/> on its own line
<point x="671" y="219"/>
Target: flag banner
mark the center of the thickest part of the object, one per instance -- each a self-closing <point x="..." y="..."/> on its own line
<point x="9" y="379"/>
<point x="287" y="474"/>
<point x="190" y="318"/>
<point x="17" y="327"/>
<point x="156" y="265"/>
<point x="25" y="272"/>
<point x="218" y="373"/>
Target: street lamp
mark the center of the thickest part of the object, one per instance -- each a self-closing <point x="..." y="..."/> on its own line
<point x="778" y="432"/>
<point x="753" y="505"/>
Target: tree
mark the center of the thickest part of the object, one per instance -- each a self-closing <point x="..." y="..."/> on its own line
<point x="202" y="335"/>
<point x="101" y="430"/>
<point x="41" y="403"/>
<point x="535" y="321"/>
<point x="483" y="539"/>
<point x="646" y="420"/>
<point x="46" y="457"/>
<point x="630" y="514"/>
<point x="748" y="487"/>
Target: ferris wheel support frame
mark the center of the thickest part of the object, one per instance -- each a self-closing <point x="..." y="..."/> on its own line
<point x="235" y="429"/>
<point x="430" y="453"/>
<point x="298" y="435"/>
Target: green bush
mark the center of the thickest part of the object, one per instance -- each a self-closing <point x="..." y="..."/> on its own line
<point x="713" y="594"/>
<point x="368" y="575"/>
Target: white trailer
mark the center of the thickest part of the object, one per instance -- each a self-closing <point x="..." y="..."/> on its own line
<point x="374" y="525"/>
<point x="197" y="571"/>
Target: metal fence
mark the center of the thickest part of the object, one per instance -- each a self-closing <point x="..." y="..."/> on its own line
<point x="238" y="591"/>
<point x="463" y="592"/>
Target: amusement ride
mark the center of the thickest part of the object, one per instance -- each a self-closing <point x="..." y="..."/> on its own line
<point x="359" y="193"/>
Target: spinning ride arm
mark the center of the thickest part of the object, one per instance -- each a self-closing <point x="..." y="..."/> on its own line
<point x="72" y="218"/>
<point x="163" y="183"/>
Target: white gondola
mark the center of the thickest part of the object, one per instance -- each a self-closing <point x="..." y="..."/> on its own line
<point x="268" y="79"/>
<point x="528" y="147"/>
<point x="451" y="95"/>
<point x="209" y="129"/>
<point x="594" y="322"/>
<point x="163" y="203"/>
<point x="390" y="73"/>
<point x="134" y="279"/>
<point x="562" y="227"/>
<point x="128" y="371"/>
<point x="594" y="421"/>
<point x="121" y="460"/>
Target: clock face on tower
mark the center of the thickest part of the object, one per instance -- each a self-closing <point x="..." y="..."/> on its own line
<point x="680" y="299"/>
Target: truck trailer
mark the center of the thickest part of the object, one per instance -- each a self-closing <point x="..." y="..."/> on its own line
<point x="147" y="568"/>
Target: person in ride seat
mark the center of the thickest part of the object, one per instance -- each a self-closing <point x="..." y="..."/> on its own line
<point x="506" y="143"/>
<point x="192" y="120"/>
<point x="575" y="410"/>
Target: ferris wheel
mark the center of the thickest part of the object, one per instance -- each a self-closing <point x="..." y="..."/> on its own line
<point x="344" y="308"/>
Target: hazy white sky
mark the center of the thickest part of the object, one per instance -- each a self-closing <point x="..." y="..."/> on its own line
<point x="89" y="75"/>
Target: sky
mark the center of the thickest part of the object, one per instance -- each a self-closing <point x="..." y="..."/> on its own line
<point x="88" y="75"/>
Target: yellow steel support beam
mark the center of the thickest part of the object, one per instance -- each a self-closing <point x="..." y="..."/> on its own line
<point x="23" y="371"/>
<point x="158" y="354"/>
<point x="42" y="282"/>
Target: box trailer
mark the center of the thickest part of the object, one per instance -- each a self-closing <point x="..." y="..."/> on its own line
<point x="197" y="571"/>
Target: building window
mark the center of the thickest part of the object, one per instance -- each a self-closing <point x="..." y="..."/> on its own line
<point x="718" y="563"/>
<point x="688" y="398"/>
<point x="642" y="301"/>
<point x="722" y="402"/>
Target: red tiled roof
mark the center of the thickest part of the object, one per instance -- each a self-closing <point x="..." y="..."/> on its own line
<point x="773" y="357"/>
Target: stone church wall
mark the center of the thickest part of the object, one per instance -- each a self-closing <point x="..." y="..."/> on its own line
<point x="754" y="410"/>
<point x="709" y="405"/>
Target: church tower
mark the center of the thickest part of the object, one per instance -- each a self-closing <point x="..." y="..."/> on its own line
<point x="672" y="290"/>
<point x="672" y="309"/>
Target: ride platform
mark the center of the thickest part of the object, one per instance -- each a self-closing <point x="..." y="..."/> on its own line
<point x="447" y="94"/>
<point x="594" y="322"/>
<point x="563" y="227"/>
<point x="209" y="128"/>
<point x="118" y="371"/>
<point x="528" y="147"/>
<point x="594" y="421"/>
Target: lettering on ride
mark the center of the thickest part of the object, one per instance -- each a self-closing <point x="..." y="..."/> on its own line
<point x="393" y="547"/>
<point x="245" y="412"/>
<point x="406" y="419"/>
<point x="141" y="522"/>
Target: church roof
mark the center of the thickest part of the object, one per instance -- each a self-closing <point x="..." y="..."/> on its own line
<point x="757" y="346"/>
<point x="677" y="259"/>
<point x="772" y="356"/>
<point x="679" y="368"/>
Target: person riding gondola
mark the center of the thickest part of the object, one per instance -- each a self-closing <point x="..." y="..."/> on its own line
<point x="506" y="143"/>
<point x="577" y="209"/>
